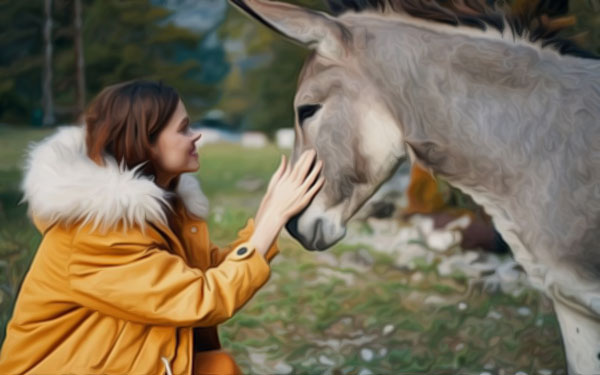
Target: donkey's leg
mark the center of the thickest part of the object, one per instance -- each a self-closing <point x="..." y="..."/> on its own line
<point x="580" y="330"/>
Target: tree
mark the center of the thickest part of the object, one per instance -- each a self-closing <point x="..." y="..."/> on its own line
<point x="21" y="59"/>
<point x="133" y="39"/>
<point x="48" y="97"/>
<point x="120" y="41"/>
<point x="80" y="62"/>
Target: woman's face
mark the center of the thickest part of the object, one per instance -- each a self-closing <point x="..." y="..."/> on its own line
<point x="175" y="152"/>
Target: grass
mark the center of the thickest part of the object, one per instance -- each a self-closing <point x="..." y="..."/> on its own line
<point x="223" y="166"/>
<point x="319" y="314"/>
<point x="14" y="142"/>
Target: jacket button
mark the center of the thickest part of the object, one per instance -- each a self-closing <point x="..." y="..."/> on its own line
<point x="194" y="229"/>
<point x="242" y="251"/>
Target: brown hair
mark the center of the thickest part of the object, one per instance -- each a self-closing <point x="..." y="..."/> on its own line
<point x="125" y="119"/>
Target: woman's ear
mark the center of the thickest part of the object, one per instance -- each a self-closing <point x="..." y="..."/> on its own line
<point x="154" y="153"/>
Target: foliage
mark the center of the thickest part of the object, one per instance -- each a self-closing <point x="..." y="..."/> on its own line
<point x="122" y="41"/>
<point x="315" y="317"/>
<point x="20" y="58"/>
<point x="246" y="70"/>
<point x="259" y="92"/>
<point x="139" y="44"/>
<point x="586" y="31"/>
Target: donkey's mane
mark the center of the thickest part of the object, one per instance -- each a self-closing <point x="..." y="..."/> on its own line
<point x="479" y="14"/>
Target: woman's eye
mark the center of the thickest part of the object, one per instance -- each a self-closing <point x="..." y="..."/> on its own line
<point x="306" y="111"/>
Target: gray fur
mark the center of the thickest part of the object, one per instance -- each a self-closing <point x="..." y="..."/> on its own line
<point x="511" y="123"/>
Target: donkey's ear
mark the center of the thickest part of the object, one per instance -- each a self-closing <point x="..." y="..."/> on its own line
<point x="310" y="28"/>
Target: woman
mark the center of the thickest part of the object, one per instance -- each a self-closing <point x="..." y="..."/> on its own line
<point x="126" y="280"/>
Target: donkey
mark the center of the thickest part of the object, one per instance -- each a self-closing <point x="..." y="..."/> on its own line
<point x="511" y="122"/>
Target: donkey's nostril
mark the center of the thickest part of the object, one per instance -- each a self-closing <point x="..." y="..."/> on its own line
<point x="319" y="242"/>
<point x="292" y="227"/>
<point x="318" y="228"/>
<point x="307" y="243"/>
<point x="319" y="236"/>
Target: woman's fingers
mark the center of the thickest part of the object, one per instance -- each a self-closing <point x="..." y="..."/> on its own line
<point x="278" y="173"/>
<point x="312" y="175"/>
<point x="301" y="167"/>
<point x="289" y="169"/>
<point x="282" y="167"/>
<point x="305" y="169"/>
<point x="311" y="192"/>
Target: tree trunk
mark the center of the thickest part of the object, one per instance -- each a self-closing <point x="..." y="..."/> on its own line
<point x="47" y="96"/>
<point x="80" y="63"/>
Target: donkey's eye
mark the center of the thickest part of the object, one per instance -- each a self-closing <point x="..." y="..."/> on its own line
<point x="306" y="111"/>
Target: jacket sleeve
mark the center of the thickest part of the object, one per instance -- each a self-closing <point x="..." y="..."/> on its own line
<point x="218" y="255"/>
<point x="130" y="276"/>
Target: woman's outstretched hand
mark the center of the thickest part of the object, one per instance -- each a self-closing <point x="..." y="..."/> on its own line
<point x="290" y="190"/>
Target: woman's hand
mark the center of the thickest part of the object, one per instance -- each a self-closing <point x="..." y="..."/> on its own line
<point x="290" y="190"/>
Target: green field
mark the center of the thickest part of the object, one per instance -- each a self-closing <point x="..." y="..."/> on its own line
<point x="350" y="310"/>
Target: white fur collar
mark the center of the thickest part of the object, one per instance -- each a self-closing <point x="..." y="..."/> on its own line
<point x="62" y="184"/>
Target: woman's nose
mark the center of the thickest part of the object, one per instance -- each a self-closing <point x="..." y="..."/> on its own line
<point x="197" y="136"/>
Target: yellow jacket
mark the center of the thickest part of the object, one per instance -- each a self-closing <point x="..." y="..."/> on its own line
<point x="117" y="291"/>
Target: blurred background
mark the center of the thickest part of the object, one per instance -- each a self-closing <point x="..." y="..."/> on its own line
<point x="421" y="284"/>
<point x="57" y="54"/>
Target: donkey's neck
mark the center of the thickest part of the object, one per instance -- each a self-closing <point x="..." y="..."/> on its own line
<point x="470" y="103"/>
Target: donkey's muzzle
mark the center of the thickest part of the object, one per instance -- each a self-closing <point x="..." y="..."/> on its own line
<point x="292" y="228"/>
<point x="317" y="236"/>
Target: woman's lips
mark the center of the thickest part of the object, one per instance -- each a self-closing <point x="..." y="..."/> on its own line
<point x="194" y="152"/>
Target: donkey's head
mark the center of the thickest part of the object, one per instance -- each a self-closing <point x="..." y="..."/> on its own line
<point x="339" y="112"/>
